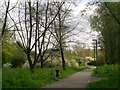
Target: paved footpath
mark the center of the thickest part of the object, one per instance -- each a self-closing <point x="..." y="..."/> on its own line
<point x="77" y="80"/>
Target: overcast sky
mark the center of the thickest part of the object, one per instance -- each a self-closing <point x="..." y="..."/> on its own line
<point x="84" y="36"/>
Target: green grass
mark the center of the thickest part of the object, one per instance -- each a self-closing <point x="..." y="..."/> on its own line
<point x="23" y="78"/>
<point x="109" y="71"/>
<point x="0" y="77"/>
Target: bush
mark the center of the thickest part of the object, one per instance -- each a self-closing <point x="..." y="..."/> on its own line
<point x="13" y="54"/>
<point x="78" y="61"/>
<point x="19" y="57"/>
<point x="18" y="61"/>
<point x="7" y="53"/>
<point x="101" y="59"/>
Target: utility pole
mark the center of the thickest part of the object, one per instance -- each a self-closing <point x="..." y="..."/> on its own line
<point x="96" y="54"/>
<point x="95" y="50"/>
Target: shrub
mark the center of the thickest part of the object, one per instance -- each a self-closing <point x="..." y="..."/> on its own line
<point x="7" y="53"/>
<point x="18" y="61"/>
<point x="101" y="59"/>
<point x="13" y="54"/>
<point x="19" y="57"/>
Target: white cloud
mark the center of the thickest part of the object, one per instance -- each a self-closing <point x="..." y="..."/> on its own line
<point x="86" y="35"/>
<point x="84" y="20"/>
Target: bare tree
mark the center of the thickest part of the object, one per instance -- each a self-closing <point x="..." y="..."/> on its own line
<point x="5" y="19"/>
<point x="8" y="9"/>
<point x="33" y="31"/>
<point x="62" y="31"/>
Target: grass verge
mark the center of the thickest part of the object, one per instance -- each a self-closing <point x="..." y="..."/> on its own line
<point x="109" y="71"/>
<point x="0" y="78"/>
<point x="23" y="78"/>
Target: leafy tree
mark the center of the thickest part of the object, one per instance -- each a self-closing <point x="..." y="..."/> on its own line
<point x="106" y="22"/>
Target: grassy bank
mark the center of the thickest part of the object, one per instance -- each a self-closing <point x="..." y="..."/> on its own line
<point x="109" y="71"/>
<point x="23" y="78"/>
<point x="0" y="78"/>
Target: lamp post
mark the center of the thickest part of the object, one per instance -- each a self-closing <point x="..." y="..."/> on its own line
<point x="95" y="50"/>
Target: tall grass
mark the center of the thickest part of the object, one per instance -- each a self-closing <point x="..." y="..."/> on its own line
<point x="0" y="78"/>
<point x="109" y="71"/>
<point x="23" y="78"/>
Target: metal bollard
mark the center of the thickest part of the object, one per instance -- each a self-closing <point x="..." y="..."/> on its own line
<point x="57" y="73"/>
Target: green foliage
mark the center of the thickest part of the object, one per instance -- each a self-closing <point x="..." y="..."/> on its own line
<point x="106" y="71"/>
<point x="109" y="71"/>
<point x="105" y="23"/>
<point x="23" y="78"/>
<point x="105" y="84"/>
<point x="101" y="58"/>
<point x="6" y="47"/>
<point x="76" y="58"/>
<point x="7" y="53"/>
<point x="78" y="61"/>
<point x="13" y="54"/>
<point x="19" y="58"/>
<point x="0" y="77"/>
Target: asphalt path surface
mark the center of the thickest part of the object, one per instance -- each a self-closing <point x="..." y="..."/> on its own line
<point x="77" y="80"/>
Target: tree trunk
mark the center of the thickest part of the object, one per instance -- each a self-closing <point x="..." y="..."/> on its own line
<point x="62" y="56"/>
<point x="41" y="62"/>
<point x="106" y="56"/>
<point x="32" y="66"/>
<point x="5" y="20"/>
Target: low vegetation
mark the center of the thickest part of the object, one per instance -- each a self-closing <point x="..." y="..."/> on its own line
<point x="23" y="78"/>
<point x="107" y="71"/>
<point x="0" y="77"/>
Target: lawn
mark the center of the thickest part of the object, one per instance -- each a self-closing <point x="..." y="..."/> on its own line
<point x="109" y="71"/>
<point x="23" y="78"/>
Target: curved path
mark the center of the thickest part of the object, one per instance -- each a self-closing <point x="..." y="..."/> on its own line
<point x="77" y="80"/>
